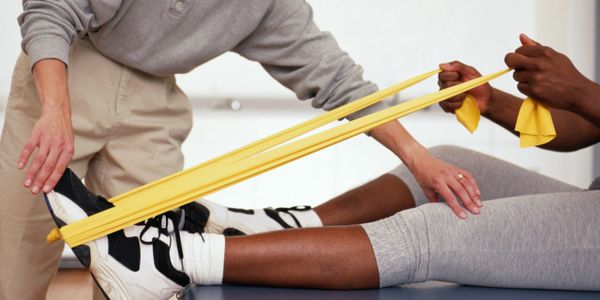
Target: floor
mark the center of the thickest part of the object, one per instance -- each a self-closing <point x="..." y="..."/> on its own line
<point x="428" y="290"/>
<point x="71" y="284"/>
<point x="77" y="284"/>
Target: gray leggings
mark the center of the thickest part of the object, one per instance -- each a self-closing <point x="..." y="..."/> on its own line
<point x="532" y="232"/>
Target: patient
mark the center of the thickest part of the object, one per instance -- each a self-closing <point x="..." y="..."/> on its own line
<point x="532" y="231"/>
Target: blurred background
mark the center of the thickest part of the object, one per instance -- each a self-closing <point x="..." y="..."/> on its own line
<point x="236" y="102"/>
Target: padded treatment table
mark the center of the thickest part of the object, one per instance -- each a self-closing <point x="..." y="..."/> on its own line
<point x="428" y="290"/>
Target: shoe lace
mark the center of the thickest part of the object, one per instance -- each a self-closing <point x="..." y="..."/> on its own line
<point x="293" y="208"/>
<point x="161" y="223"/>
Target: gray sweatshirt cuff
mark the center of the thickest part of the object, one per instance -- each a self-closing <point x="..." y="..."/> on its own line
<point x="47" y="47"/>
<point x="367" y="111"/>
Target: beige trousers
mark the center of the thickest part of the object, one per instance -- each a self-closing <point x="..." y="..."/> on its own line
<point x="129" y="127"/>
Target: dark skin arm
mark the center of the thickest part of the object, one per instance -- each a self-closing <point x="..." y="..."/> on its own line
<point x="549" y="78"/>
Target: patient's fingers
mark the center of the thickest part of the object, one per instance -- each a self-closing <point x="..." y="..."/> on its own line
<point x="449" y="76"/>
<point x="451" y="105"/>
<point x="454" y="103"/>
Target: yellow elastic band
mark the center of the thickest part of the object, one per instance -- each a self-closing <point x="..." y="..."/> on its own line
<point x="468" y="114"/>
<point x="535" y="124"/>
<point x="189" y="185"/>
<point x="287" y="134"/>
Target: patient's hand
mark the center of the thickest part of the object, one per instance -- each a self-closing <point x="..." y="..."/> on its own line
<point x="549" y="76"/>
<point x="454" y="73"/>
<point x="441" y="180"/>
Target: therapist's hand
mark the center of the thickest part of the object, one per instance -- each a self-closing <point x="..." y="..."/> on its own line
<point x="454" y="73"/>
<point x="442" y="181"/>
<point x="438" y="179"/>
<point x="52" y="134"/>
<point x="548" y="76"/>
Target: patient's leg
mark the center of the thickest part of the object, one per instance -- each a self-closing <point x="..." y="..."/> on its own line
<point x="548" y="241"/>
<point x="386" y="195"/>
<point x="537" y="241"/>
<point x="375" y="200"/>
<point x="328" y="257"/>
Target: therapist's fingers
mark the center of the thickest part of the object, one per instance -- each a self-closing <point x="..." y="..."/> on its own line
<point x="470" y="184"/>
<point x="448" y="196"/>
<point x="458" y="186"/>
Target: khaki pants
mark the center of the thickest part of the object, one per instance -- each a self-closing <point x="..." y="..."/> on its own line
<point x="129" y="127"/>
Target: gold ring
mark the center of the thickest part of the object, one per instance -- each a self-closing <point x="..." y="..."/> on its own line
<point x="460" y="177"/>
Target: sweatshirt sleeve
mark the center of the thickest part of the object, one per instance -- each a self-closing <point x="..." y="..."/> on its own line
<point x="295" y="52"/>
<point x="49" y="28"/>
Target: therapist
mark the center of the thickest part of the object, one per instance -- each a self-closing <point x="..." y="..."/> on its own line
<point x="95" y="90"/>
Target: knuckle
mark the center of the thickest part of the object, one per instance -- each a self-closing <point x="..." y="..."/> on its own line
<point x="536" y="90"/>
<point x="39" y="159"/>
<point x="547" y="51"/>
<point x="537" y="77"/>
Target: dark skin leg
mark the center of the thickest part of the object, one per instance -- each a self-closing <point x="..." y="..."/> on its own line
<point x="329" y="258"/>
<point x="373" y="201"/>
<point x="332" y="257"/>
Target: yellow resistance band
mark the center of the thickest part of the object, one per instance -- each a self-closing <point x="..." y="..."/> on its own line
<point x="288" y="134"/>
<point x="188" y="185"/>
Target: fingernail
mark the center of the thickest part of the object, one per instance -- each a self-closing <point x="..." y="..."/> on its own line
<point x="27" y="182"/>
<point x="21" y="165"/>
<point x="47" y="189"/>
<point x="479" y="203"/>
<point x="478" y="192"/>
<point x="476" y="210"/>
<point x="462" y="215"/>
<point x="35" y="189"/>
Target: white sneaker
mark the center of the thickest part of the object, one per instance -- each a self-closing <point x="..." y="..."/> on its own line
<point x="144" y="261"/>
<point x="214" y="218"/>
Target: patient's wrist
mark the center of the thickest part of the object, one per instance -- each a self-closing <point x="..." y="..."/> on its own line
<point x="588" y="102"/>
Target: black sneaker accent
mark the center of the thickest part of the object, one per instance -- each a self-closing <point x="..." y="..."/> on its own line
<point x="71" y="187"/>
<point x="241" y="211"/>
<point x="162" y="257"/>
<point x="83" y="255"/>
<point x="293" y="208"/>
<point x="273" y="214"/>
<point x="125" y="250"/>
<point x="196" y="216"/>
<point x="232" y="232"/>
<point x="163" y="264"/>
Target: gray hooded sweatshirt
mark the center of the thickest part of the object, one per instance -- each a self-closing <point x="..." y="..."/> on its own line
<point x="164" y="37"/>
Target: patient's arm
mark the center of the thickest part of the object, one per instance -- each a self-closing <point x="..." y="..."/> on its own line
<point x="573" y="130"/>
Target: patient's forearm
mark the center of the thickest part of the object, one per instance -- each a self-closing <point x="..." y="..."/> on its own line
<point x="573" y="131"/>
<point x="503" y="109"/>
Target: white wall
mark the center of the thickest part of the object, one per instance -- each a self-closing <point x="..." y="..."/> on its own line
<point x="393" y="40"/>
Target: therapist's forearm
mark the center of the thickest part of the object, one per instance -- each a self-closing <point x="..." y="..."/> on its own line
<point x="397" y="139"/>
